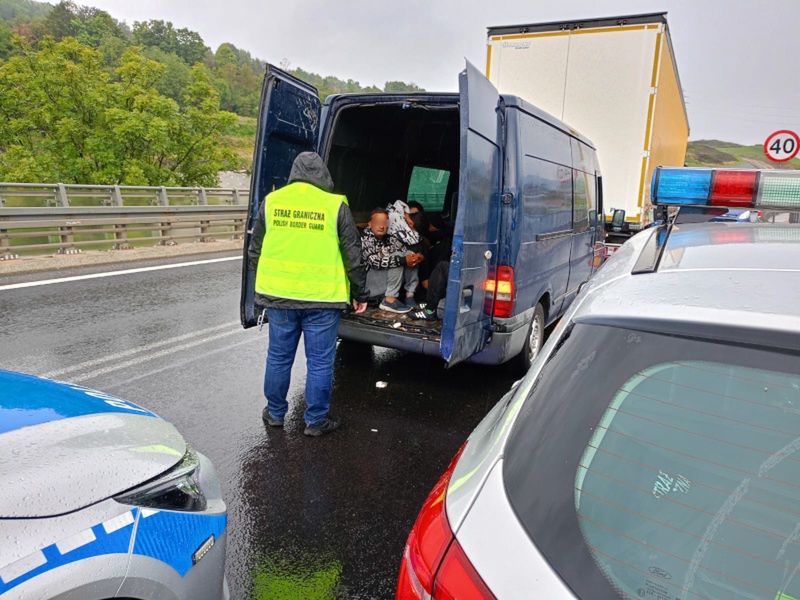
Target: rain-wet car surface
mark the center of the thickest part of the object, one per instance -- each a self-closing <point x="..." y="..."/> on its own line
<point x="100" y="497"/>
<point x="307" y="518"/>
<point x="651" y="450"/>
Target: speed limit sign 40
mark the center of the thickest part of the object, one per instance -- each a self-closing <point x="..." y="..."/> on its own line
<point x="782" y="145"/>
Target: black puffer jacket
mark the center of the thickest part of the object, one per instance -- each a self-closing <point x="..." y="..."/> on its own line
<point x="310" y="168"/>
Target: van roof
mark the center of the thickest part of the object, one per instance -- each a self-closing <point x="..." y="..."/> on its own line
<point x="520" y="103"/>
<point x="645" y="18"/>
<point x="513" y="101"/>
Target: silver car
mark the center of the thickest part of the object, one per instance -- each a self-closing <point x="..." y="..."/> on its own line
<point x="653" y="449"/>
<point x="100" y="498"/>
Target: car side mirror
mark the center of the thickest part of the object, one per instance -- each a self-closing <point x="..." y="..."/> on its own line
<point x="618" y="220"/>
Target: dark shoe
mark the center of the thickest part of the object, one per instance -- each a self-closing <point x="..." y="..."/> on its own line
<point x="326" y="426"/>
<point x="424" y="315"/>
<point x="267" y="418"/>
<point x="396" y="306"/>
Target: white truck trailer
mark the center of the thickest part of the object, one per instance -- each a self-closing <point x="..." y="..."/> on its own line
<point x="613" y="79"/>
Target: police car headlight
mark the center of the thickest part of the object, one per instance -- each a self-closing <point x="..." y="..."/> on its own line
<point x="177" y="489"/>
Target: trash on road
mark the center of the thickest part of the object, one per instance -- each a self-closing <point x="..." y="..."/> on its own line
<point x="381" y="384"/>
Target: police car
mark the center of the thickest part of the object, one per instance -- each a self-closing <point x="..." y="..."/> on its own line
<point x="100" y="498"/>
<point x="653" y="449"/>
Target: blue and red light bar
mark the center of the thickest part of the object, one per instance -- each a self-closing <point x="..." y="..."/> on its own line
<point x="731" y="188"/>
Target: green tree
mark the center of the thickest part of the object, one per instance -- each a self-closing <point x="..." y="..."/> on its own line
<point x="64" y="117"/>
<point x="163" y="35"/>
<point x="60" y="22"/>
<point x="200" y="153"/>
<point x="14" y="10"/>
<point x="6" y="44"/>
<point x="401" y="86"/>
<point x="92" y="26"/>
<point x="176" y="75"/>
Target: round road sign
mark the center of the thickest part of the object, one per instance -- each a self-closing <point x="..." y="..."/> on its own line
<point x="782" y="145"/>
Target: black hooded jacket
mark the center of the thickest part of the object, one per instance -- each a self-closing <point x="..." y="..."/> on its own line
<point x="310" y="168"/>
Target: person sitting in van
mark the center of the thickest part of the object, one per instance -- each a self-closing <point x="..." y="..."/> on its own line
<point x="386" y="258"/>
<point x="401" y="226"/>
<point x="436" y="289"/>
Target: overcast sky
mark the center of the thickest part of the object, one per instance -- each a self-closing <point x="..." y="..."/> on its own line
<point x="738" y="59"/>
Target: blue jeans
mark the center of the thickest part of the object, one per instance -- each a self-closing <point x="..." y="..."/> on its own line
<point x="318" y="327"/>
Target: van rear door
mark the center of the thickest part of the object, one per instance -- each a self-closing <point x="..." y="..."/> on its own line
<point x="466" y="323"/>
<point x="288" y="124"/>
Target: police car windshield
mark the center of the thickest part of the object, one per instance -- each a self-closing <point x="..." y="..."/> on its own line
<point x="660" y="467"/>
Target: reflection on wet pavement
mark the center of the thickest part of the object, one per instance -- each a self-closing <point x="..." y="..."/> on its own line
<point x="308" y="518"/>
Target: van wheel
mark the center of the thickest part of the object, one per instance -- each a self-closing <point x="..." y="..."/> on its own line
<point x="533" y="343"/>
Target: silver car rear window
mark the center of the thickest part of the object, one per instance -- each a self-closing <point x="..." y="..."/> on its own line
<point x="661" y="467"/>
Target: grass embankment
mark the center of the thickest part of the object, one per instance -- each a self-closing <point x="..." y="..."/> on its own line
<point x="717" y="153"/>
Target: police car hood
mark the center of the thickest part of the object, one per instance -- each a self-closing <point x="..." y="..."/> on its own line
<point x="63" y="447"/>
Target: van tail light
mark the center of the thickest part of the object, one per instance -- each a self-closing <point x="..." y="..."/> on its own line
<point x="434" y="566"/>
<point x="500" y="289"/>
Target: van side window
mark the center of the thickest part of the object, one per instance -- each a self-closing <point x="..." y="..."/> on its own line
<point x="428" y="187"/>
<point x="591" y="196"/>
<point x="580" y="201"/>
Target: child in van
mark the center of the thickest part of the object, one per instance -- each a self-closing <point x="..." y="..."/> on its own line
<point x="402" y="227"/>
<point x="386" y="258"/>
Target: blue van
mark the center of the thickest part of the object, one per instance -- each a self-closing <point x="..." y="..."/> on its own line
<point x="520" y="190"/>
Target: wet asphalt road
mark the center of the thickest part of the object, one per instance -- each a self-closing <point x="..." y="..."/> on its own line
<point x="308" y="518"/>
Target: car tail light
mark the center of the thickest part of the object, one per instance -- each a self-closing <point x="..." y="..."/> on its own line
<point x="499" y="289"/>
<point x="434" y="566"/>
<point x="600" y="254"/>
<point x="733" y="188"/>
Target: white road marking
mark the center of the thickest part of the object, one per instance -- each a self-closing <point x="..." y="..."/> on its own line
<point x="180" y="363"/>
<point x="118" y="522"/>
<point x="28" y="284"/>
<point x="76" y="541"/>
<point x="23" y="565"/>
<point x="137" y="350"/>
<point x="135" y="361"/>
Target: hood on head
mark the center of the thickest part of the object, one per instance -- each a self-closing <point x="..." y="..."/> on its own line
<point x="310" y="168"/>
<point x="400" y="207"/>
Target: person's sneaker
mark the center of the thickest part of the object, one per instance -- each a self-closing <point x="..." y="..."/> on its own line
<point x="417" y="306"/>
<point x="269" y="420"/>
<point x="395" y="306"/>
<point x="424" y="315"/>
<point x="326" y="426"/>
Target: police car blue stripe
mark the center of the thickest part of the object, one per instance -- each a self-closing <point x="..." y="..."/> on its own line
<point x="171" y="537"/>
<point x="26" y="400"/>
<point x="117" y="542"/>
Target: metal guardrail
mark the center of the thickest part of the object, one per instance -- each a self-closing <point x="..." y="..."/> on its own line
<point x="168" y="216"/>
<point x="18" y="195"/>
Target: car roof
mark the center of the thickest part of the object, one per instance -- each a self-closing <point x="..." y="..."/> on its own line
<point x="728" y="281"/>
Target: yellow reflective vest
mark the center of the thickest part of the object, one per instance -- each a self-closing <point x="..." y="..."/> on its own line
<point x="300" y="257"/>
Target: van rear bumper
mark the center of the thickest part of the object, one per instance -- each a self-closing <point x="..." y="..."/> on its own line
<point x="508" y="339"/>
<point x="380" y="336"/>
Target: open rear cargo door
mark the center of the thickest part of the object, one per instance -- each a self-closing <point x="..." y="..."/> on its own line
<point x="467" y="321"/>
<point x="288" y="124"/>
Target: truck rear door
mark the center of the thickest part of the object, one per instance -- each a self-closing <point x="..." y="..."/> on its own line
<point x="288" y="124"/>
<point x="466" y="324"/>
